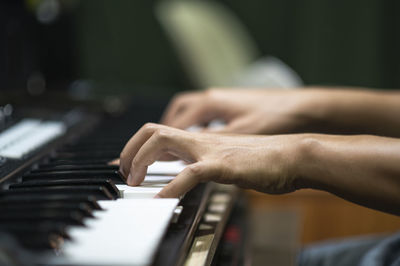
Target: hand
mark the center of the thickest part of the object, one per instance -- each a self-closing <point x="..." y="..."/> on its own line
<point x="344" y="111"/>
<point x="264" y="163"/>
<point x="244" y="111"/>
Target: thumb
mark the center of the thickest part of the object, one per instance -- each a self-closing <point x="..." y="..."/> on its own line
<point x="185" y="181"/>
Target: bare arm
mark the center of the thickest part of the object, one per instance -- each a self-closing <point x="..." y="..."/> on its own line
<point x="319" y="110"/>
<point x="375" y="112"/>
<point x="363" y="169"/>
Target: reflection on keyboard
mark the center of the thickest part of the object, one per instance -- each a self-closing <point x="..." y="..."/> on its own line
<point x="28" y="135"/>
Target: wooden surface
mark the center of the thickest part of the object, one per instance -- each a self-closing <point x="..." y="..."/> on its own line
<point x="324" y="216"/>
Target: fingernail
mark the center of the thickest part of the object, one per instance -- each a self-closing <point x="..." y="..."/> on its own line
<point x="129" y="180"/>
<point x="157" y="197"/>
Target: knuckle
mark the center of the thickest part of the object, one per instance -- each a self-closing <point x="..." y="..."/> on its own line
<point x="223" y="173"/>
<point x="212" y="92"/>
<point x="209" y="93"/>
<point x="163" y="135"/>
<point x="179" y="99"/>
<point x="135" y="161"/>
<point x="212" y="171"/>
<point x="160" y="134"/>
<point x="195" y="170"/>
<point x="149" y="126"/>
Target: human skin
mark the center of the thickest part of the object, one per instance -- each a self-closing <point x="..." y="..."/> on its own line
<point x="317" y="110"/>
<point x="361" y="168"/>
<point x="364" y="169"/>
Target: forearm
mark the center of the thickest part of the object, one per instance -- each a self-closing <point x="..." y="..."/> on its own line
<point x="363" y="169"/>
<point x="353" y="111"/>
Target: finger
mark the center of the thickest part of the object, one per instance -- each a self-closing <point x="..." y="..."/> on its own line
<point x="198" y="114"/>
<point x="133" y="146"/>
<point x="171" y="111"/>
<point x="146" y="156"/>
<point x="177" y="105"/>
<point x="159" y="144"/>
<point x="114" y="162"/>
<point x="185" y="181"/>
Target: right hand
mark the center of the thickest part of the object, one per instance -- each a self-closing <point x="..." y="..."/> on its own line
<point x="265" y="163"/>
<point x="243" y="111"/>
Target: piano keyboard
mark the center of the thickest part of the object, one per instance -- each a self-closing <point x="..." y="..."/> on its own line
<point x="72" y="207"/>
<point x="28" y="135"/>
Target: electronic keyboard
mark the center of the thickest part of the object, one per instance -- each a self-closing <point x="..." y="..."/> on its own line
<point x="63" y="203"/>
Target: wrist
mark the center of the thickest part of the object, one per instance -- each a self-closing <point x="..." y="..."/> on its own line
<point x="308" y="164"/>
<point x="312" y="109"/>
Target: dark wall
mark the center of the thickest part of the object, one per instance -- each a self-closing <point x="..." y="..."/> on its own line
<point x="344" y="42"/>
<point x="30" y="50"/>
<point x="120" y="45"/>
<point x="17" y="49"/>
<point x="327" y="42"/>
<point x="121" y="42"/>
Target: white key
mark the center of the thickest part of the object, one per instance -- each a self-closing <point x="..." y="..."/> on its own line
<point x="213" y="125"/>
<point x="151" y="185"/>
<point x="17" y="131"/>
<point x="138" y="192"/>
<point x="172" y="168"/>
<point x="27" y="136"/>
<point x="129" y="230"/>
<point x="127" y="233"/>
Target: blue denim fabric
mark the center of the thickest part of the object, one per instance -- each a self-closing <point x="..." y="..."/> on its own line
<point x="363" y="251"/>
<point x="386" y="252"/>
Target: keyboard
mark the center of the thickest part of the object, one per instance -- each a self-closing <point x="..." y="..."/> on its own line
<point x="63" y="203"/>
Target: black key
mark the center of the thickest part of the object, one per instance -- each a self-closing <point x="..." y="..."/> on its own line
<point x="66" y="167"/>
<point x="87" y="159"/>
<point x="76" y="174"/>
<point x="81" y="161"/>
<point x="39" y="241"/>
<point x="41" y="227"/>
<point x="83" y="209"/>
<point x="87" y="148"/>
<point x="88" y="154"/>
<point x="99" y="141"/>
<point x="67" y="182"/>
<point x="71" y="218"/>
<point x="99" y="192"/>
<point x="62" y="163"/>
<point x="47" y="199"/>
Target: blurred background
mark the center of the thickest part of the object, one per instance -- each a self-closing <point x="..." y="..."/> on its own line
<point x="132" y="45"/>
<point x="157" y="48"/>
